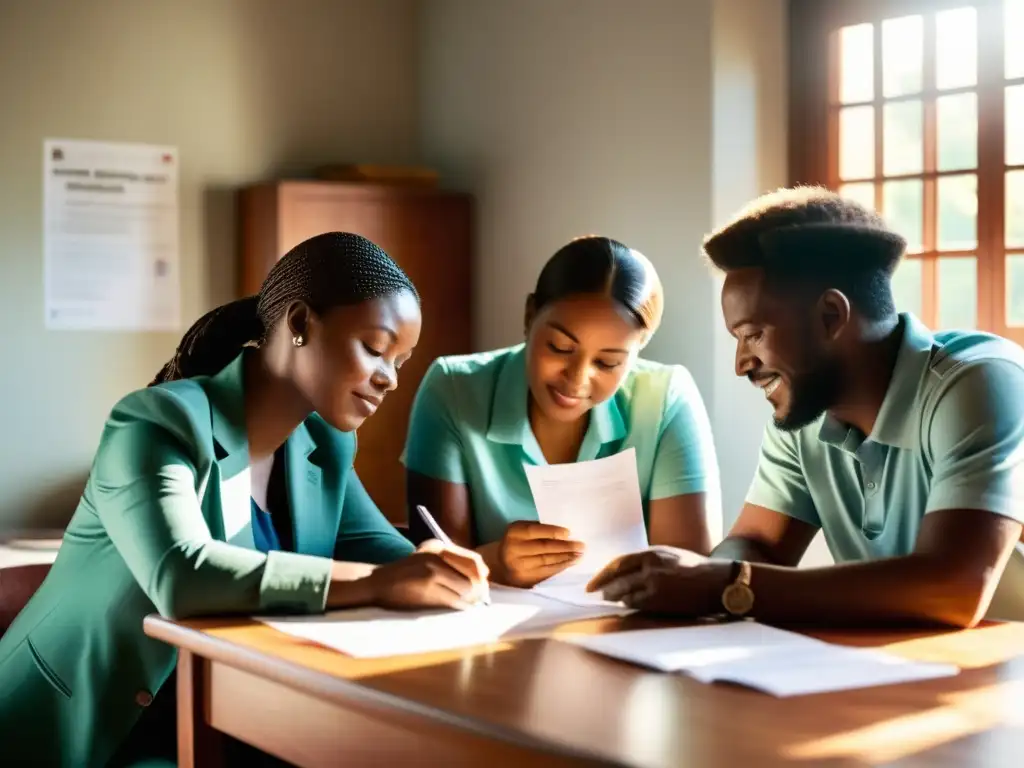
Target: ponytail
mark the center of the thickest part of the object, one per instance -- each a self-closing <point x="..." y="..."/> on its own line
<point x="214" y="341"/>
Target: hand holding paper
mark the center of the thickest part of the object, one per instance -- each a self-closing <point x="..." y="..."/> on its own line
<point x="598" y="502"/>
<point x="530" y="552"/>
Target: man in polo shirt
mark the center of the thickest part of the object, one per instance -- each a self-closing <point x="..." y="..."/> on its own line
<point x="905" y="447"/>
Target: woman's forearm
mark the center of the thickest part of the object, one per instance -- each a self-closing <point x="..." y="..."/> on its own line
<point x="350" y="585"/>
<point x="491" y="554"/>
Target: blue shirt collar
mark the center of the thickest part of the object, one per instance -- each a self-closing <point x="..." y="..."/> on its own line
<point x="510" y="421"/>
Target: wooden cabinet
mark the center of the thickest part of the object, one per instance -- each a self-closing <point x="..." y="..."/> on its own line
<point x="428" y="232"/>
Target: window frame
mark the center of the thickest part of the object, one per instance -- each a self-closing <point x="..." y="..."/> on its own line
<point x="814" y="130"/>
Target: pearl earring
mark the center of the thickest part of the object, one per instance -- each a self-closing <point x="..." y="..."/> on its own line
<point x="298" y="340"/>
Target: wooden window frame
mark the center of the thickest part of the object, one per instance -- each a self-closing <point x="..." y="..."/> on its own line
<point x="813" y="129"/>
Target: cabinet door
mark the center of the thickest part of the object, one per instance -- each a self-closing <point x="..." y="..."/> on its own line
<point x="430" y="237"/>
<point x="310" y="212"/>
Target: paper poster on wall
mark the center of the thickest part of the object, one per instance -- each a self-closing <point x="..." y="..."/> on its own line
<point x="110" y="236"/>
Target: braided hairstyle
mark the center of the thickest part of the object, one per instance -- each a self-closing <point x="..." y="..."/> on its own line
<point x="325" y="271"/>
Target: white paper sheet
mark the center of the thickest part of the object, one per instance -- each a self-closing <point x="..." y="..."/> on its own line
<point x="599" y="503"/>
<point x="110" y="236"/>
<point x="764" y="658"/>
<point x="553" y="611"/>
<point x="571" y="588"/>
<point x="376" y="632"/>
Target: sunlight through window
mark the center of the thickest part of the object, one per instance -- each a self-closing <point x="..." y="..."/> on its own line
<point x="912" y="153"/>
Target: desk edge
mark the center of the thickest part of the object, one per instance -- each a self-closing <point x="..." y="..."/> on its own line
<point x="350" y="693"/>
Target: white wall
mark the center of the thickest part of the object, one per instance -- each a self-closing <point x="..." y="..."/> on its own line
<point x="576" y="117"/>
<point x="247" y="89"/>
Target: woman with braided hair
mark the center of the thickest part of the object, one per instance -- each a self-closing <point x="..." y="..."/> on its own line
<point x="226" y="486"/>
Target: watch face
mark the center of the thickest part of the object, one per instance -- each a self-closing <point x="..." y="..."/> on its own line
<point x="738" y="599"/>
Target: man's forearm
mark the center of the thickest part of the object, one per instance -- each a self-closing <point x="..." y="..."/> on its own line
<point x="901" y="590"/>
<point x="738" y="548"/>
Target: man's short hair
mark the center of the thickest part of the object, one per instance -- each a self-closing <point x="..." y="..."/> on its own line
<point x="812" y="237"/>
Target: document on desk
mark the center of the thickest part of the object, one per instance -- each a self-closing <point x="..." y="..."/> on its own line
<point x="764" y="658"/>
<point x="376" y="632"/>
<point x="599" y="502"/>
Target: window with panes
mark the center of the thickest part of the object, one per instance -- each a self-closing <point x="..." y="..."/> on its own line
<point x="925" y="123"/>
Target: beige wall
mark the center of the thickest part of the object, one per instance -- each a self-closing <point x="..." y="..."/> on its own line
<point x="649" y="121"/>
<point x="750" y="158"/>
<point x="749" y="153"/>
<point x="564" y="118"/>
<point x="247" y="89"/>
<point x="569" y="118"/>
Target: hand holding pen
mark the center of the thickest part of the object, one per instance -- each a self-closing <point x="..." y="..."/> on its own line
<point x="479" y="578"/>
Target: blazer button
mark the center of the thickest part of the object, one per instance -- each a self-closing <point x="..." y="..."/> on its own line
<point x="143" y="698"/>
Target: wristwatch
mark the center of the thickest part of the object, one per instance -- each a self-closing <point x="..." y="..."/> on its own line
<point x="738" y="597"/>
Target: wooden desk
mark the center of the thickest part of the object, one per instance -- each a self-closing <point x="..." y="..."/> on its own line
<point x="548" y="703"/>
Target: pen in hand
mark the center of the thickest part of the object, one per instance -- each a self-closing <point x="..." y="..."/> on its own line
<point x="441" y="536"/>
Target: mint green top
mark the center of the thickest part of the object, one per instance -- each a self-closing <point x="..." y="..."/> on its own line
<point x="155" y="532"/>
<point x="469" y="425"/>
<point x="949" y="435"/>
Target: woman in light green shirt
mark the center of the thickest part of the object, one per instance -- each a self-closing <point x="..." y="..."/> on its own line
<point x="574" y="391"/>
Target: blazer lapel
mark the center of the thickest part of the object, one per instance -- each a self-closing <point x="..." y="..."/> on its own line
<point x="227" y="414"/>
<point x="314" y="527"/>
<point x="314" y="523"/>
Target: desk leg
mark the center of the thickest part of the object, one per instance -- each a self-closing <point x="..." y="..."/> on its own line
<point x="199" y="745"/>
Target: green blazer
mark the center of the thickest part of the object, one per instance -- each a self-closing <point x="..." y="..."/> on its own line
<point x="164" y="525"/>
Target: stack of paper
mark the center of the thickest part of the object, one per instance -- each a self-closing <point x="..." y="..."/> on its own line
<point x="376" y="632"/>
<point x="599" y="503"/>
<point x="767" y="659"/>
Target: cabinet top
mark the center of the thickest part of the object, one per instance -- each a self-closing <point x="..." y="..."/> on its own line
<point x="352" y="189"/>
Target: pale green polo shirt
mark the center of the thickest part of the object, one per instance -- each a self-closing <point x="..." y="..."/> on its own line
<point x="949" y="435"/>
<point x="469" y="425"/>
